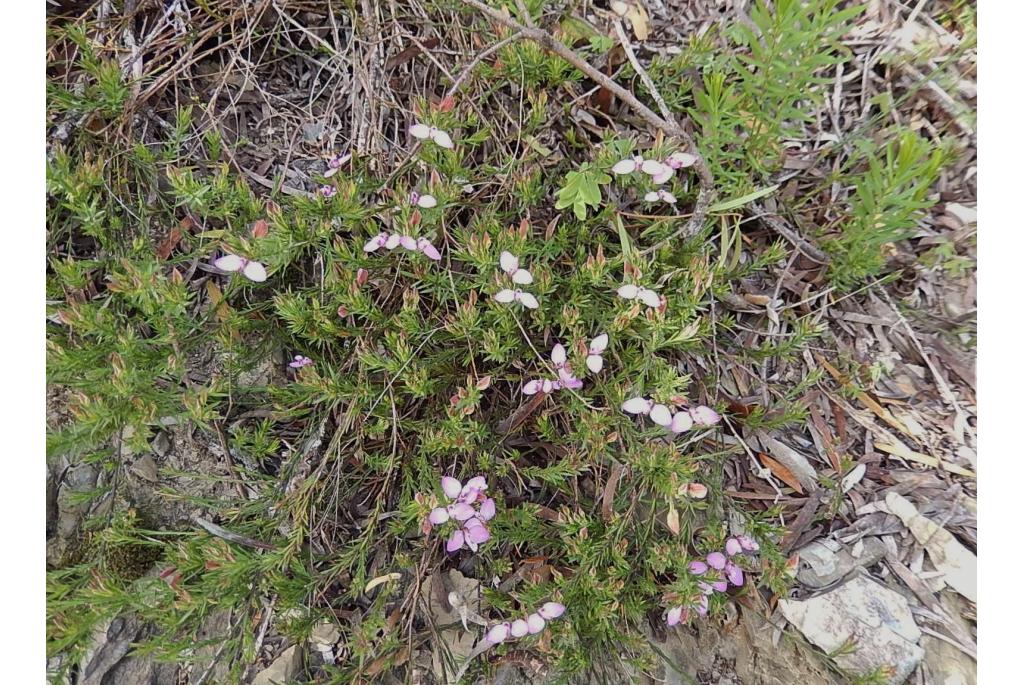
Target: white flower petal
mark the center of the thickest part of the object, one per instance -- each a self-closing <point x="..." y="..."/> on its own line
<point x="421" y="131"/>
<point x="505" y="296"/>
<point x="637" y="405"/>
<point x="255" y="271"/>
<point x="229" y="262"/>
<point x="626" y="166"/>
<point x="442" y="139"/>
<point x="652" y="167"/>
<point x="681" y="422"/>
<point x="661" y="415"/>
<point x="628" y="291"/>
<point x="522" y="277"/>
<point x="509" y="262"/>
<point x="665" y="176"/>
<point x="558" y="355"/>
<point x="529" y="301"/>
<point x="649" y="297"/>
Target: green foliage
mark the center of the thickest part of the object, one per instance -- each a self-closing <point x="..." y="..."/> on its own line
<point x="417" y="369"/>
<point x="889" y="197"/>
<point x="582" y="189"/>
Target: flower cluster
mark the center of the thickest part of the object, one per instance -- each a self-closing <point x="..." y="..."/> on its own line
<point x="531" y="625"/>
<point x="299" y="361"/>
<point x="659" y="171"/>
<point x="717" y="571"/>
<point x="645" y="295"/>
<point x="510" y="265"/>
<point x="472" y="530"/>
<point x="425" y="201"/>
<point x="335" y="163"/>
<point x="424" y="132"/>
<point x="662" y="195"/>
<point x="252" y="270"/>
<point x="679" y="422"/>
<point x="392" y="240"/>
<point x="566" y="378"/>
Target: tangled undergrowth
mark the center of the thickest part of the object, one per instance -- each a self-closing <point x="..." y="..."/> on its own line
<point x="481" y="303"/>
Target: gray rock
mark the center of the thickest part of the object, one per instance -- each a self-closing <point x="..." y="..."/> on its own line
<point x="824" y="562"/>
<point x="283" y="670"/>
<point x="873" y="618"/>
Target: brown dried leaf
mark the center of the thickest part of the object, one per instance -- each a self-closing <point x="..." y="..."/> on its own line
<point x="164" y="250"/>
<point x="637" y="16"/>
<point x="781" y="472"/>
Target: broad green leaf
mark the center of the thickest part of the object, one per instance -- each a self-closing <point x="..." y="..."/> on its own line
<point x="743" y="199"/>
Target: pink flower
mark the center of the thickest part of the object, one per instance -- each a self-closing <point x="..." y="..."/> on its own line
<point x="478" y="483"/>
<point x="702" y="605"/>
<point x="638" y="405"/>
<point x="460" y="511"/>
<point x="476" y="532"/>
<point x="658" y="413"/>
<point x="595" y="362"/>
<point x="472" y="531"/>
<point x="254" y="271"/>
<point x="716" y="560"/>
<point x="637" y="163"/>
<point x="551" y="610"/>
<point x="519" y="628"/>
<point x="334" y="163"/>
<point x="704" y="416"/>
<point x="536" y="623"/>
<point x="456" y="541"/>
<point x="662" y="195"/>
<point x="451" y="486"/>
<point x="748" y="543"/>
<point x="424" y="132"/>
<point x="675" y="615"/>
<point x="698" y="568"/>
<point x="427" y="248"/>
<point x="510" y="265"/>
<point x="633" y="292"/>
<point x="499" y="633"/>
<point x="679" y="160"/>
<point x="733" y="547"/>
<point x="681" y="422"/>
<point x="327" y="191"/>
<point x="566" y="379"/>
<point x="299" y="361"/>
<point x="508" y="295"/>
<point x="675" y="161"/>
<point x="376" y="242"/>
<point x="734" y="573"/>
<point x="425" y="201"/>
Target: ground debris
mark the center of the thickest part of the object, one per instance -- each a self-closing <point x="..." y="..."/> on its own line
<point x="865" y="624"/>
